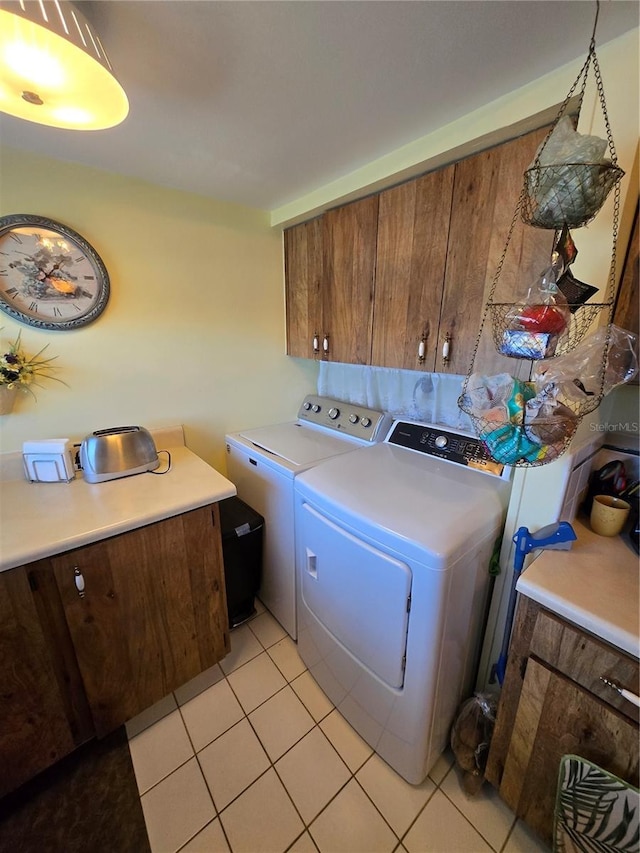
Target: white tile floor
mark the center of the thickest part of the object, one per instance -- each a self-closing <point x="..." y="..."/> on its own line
<point x="251" y="756"/>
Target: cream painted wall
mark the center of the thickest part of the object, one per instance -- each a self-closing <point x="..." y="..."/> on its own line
<point x="194" y="330"/>
<point x="619" y="64"/>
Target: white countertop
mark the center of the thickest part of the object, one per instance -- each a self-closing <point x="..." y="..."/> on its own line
<point x="41" y="519"/>
<point x="594" y="585"/>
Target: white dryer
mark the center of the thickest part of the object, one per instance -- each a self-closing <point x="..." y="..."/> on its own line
<point x="393" y="545"/>
<point x="263" y="462"/>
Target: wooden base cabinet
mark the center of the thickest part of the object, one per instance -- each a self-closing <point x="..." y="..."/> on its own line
<point x="553" y="703"/>
<point x="91" y="637"/>
<point x="36" y="727"/>
<point x="151" y="614"/>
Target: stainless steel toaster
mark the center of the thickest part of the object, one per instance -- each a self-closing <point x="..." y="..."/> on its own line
<point x="108" y="454"/>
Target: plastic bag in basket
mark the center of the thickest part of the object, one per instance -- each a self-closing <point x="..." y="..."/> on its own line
<point x="533" y="327"/>
<point x="584" y="373"/>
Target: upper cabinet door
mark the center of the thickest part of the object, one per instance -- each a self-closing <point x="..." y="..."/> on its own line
<point x="486" y="190"/>
<point x="303" y="260"/>
<point x="413" y="228"/>
<point x="349" y="234"/>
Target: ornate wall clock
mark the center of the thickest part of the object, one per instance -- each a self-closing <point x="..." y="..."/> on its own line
<point x="50" y="277"/>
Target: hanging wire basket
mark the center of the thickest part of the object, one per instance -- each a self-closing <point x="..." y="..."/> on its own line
<point x="517" y="343"/>
<point x="513" y="445"/>
<point x="566" y="193"/>
<point x="533" y="425"/>
<point x="514" y="427"/>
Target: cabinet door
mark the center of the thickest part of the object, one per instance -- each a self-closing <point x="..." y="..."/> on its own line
<point x="413" y="227"/>
<point x="303" y="262"/>
<point x="349" y="235"/>
<point x="627" y="310"/>
<point x="556" y="717"/>
<point x="153" y="613"/>
<point x="552" y="704"/>
<point x="34" y="728"/>
<point x="486" y="190"/>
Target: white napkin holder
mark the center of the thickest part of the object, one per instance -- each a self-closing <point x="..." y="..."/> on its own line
<point x="49" y="460"/>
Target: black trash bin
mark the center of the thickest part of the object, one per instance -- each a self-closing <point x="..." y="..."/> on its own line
<point x="242" y="552"/>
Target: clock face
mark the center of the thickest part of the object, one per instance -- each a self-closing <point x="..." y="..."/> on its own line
<point x="50" y="277"/>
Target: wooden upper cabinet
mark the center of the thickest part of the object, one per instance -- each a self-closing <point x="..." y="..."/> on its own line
<point x="413" y="228"/>
<point x="416" y="263"/>
<point x="153" y="613"/>
<point x="349" y="236"/>
<point x="303" y="258"/>
<point x="486" y="190"/>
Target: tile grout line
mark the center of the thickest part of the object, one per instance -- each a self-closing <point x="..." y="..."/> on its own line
<point x="352" y="774"/>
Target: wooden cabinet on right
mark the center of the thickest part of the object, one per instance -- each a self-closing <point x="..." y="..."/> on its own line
<point x="627" y="308"/>
<point x="553" y="703"/>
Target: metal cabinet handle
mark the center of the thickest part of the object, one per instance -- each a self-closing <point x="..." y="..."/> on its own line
<point x="325" y="343"/>
<point x="79" y="581"/>
<point x="445" y="348"/>
<point x="626" y="694"/>
<point x="316" y="344"/>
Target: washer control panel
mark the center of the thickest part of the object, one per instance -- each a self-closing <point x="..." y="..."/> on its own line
<point x="457" y="447"/>
<point x="360" y="422"/>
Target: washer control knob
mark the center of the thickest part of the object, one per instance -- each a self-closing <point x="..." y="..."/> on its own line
<point x="315" y="408"/>
<point x="307" y="406"/>
<point x="366" y="422"/>
<point x="353" y="419"/>
<point x="441" y="441"/>
<point x="333" y="413"/>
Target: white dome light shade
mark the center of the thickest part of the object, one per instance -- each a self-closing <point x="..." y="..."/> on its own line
<point x="53" y="68"/>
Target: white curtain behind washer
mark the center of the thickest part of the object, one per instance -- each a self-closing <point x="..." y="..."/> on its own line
<point x="410" y="394"/>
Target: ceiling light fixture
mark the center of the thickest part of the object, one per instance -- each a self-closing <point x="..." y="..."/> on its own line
<point x="54" y="69"/>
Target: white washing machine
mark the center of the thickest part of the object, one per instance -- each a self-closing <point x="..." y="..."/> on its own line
<point x="263" y="462"/>
<point x="393" y="545"/>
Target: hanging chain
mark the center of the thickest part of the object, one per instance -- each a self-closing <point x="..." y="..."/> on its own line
<point x="489" y="300"/>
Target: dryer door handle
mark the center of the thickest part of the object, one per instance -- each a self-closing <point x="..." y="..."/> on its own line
<point x="312" y="564"/>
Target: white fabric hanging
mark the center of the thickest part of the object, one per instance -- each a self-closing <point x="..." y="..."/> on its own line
<point x="411" y="394"/>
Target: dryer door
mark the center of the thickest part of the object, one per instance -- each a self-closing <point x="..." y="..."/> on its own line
<point x="359" y="593"/>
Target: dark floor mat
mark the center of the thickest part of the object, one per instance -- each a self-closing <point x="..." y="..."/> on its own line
<point x="86" y="803"/>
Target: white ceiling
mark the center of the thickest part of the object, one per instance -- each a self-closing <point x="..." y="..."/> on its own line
<point x="262" y="101"/>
